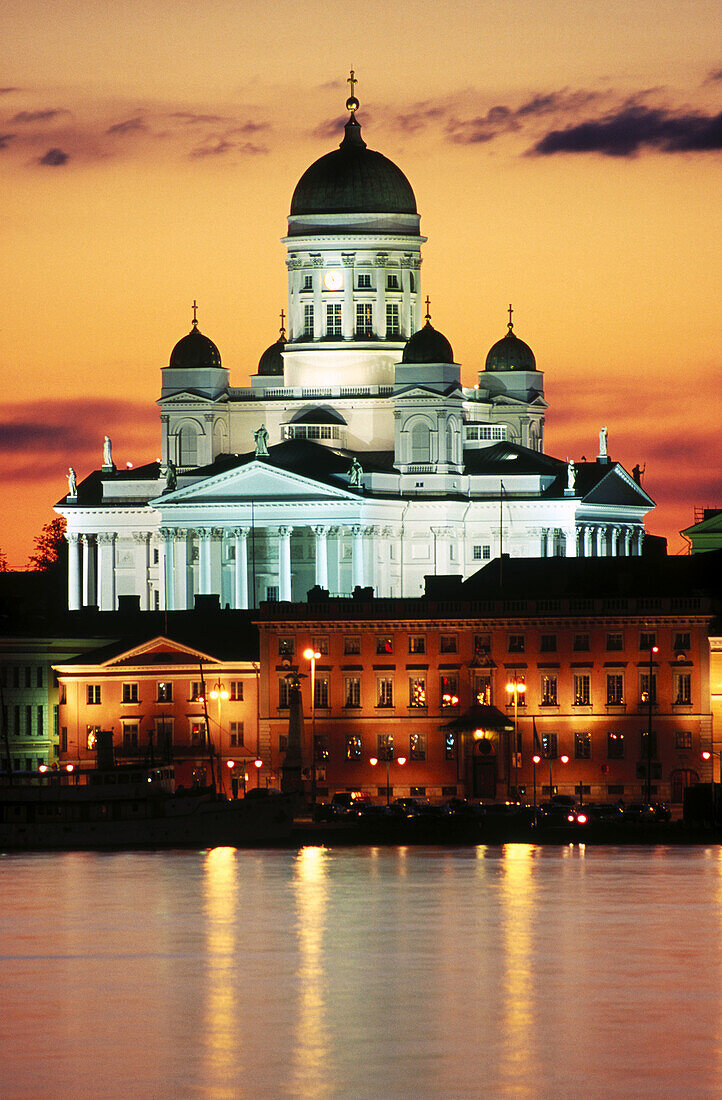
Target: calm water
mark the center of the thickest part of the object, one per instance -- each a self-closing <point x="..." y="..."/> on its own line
<point x="496" y="972"/>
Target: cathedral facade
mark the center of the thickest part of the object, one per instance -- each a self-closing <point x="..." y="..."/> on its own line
<point x="354" y="458"/>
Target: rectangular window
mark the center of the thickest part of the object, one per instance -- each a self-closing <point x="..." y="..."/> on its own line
<point x="321" y="645"/>
<point x="615" y="746"/>
<point x="284" y="693"/>
<point x="351" y="646"/>
<point x="165" y="691"/>
<point x="449" y="745"/>
<point x="321" y="692"/>
<point x="518" y="678"/>
<point x="353" y="748"/>
<point x="482" y="645"/>
<point x="384" y="691"/>
<point x="93" y="695"/>
<point x="516" y="643"/>
<point x="582" y="746"/>
<point x="682" y="689"/>
<point x="615" y="689"/>
<point x="683" y="739"/>
<point x="392" y="319"/>
<point x="364" y="319"/>
<point x="548" y="643"/>
<point x="198" y="732"/>
<point x="582" y="690"/>
<point x="549" y="746"/>
<point x="447" y="643"/>
<point x="385" y="746"/>
<point x="392" y="282"/>
<point x="581" y="643"/>
<point x="40" y="722"/>
<point x="196" y="691"/>
<point x="130" y="735"/>
<point x="164" y="735"/>
<point x="417" y="746"/>
<point x="681" y="641"/>
<point x="647" y="687"/>
<point x="91" y="736"/>
<point x="364" y="281"/>
<point x="236" y="732"/>
<point x="308" y="320"/>
<point x="272" y="593"/>
<point x="307" y="282"/>
<point x="615" y="642"/>
<point x="130" y="693"/>
<point x="333" y="319"/>
<point x="417" y="691"/>
<point x="63" y="738"/>
<point x="236" y="691"/>
<point x="449" y="690"/>
<point x="549" y="690"/>
<point x="417" y="643"/>
<point x="28" y="721"/>
<point x="39" y="676"/>
<point x="647" y="640"/>
<point x="384" y="645"/>
<point x="62" y="694"/>
<point x="644" y="746"/>
<point x="482" y="689"/>
<point x="352" y="691"/>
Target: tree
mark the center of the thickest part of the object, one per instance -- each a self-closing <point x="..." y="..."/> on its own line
<point x="3" y="562"/>
<point x="50" y="546"/>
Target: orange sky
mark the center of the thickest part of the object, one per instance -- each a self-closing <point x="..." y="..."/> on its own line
<point x="565" y="157"/>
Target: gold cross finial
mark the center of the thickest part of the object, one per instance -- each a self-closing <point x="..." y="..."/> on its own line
<point x="428" y="311"/>
<point x="510" y="326"/>
<point x="283" y="326"/>
<point x="352" y="102"/>
<point x="195" y="314"/>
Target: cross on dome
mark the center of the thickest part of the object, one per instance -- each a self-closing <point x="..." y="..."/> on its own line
<point x="195" y="314"/>
<point x="283" y="325"/>
<point x="510" y="325"/>
<point x="352" y="103"/>
<point x="428" y="309"/>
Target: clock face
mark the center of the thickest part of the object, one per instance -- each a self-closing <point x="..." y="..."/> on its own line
<point x="333" y="280"/>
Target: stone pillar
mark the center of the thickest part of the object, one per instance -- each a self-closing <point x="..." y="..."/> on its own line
<point x="640" y="541"/>
<point x="88" y="571"/>
<point x="204" y="560"/>
<point x="627" y="536"/>
<point x="240" y="585"/>
<point x="168" y="536"/>
<point x="181" y="568"/>
<point x="380" y="306"/>
<point x="334" y="564"/>
<point x="370" y="534"/>
<point x="588" y="541"/>
<point x="142" y="541"/>
<point x="321" y="534"/>
<point x="73" y="572"/>
<point x="615" y="542"/>
<point x="544" y="542"/>
<point x="106" y="571"/>
<point x="599" y="541"/>
<point x="284" y="562"/>
<point x="357" y="567"/>
<point x="348" y="319"/>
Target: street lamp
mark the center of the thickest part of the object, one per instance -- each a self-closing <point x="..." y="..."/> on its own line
<point x="710" y="755"/>
<point x="313" y="655"/>
<point x="515" y="688"/>
<point x="218" y="691"/>
<point x="536" y="759"/>
<point x="650" y="702"/>
<point x="564" y="759"/>
<point x="258" y="764"/>
<point x="400" y="760"/>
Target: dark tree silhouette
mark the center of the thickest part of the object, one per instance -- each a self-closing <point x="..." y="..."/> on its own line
<point x="50" y="546"/>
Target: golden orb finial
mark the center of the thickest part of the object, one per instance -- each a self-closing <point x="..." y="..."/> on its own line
<point x="352" y="103"/>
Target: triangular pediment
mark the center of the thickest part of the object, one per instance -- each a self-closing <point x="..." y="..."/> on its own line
<point x="160" y="651"/>
<point x="255" y="481"/>
<point x="618" y="487"/>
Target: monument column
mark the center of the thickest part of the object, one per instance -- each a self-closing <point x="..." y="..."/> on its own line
<point x="73" y="572"/>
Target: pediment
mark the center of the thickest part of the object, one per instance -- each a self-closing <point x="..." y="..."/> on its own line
<point x="618" y="487"/>
<point x="255" y="481"/>
<point x="159" y="651"/>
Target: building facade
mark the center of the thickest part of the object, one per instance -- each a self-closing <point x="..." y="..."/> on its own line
<point x="355" y="457"/>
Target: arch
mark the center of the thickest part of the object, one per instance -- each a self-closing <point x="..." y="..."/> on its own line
<point x="186" y="435"/>
<point x="420" y="441"/>
<point x="220" y="438"/>
<point x="679" y="780"/>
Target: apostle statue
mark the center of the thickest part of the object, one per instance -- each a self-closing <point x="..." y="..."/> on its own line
<point x="354" y="474"/>
<point x="171" y="478"/>
<point x="571" y="475"/>
<point x="261" y="438"/>
<point x="107" y="452"/>
<point x="72" y="483"/>
<point x="603" y="443"/>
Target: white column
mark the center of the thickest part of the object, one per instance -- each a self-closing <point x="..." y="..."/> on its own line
<point x="334" y="571"/>
<point x="141" y="539"/>
<point x="88" y="571"/>
<point x="169" y="570"/>
<point x="570" y="540"/>
<point x="204" y="560"/>
<point x="240" y="587"/>
<point x="181" y="569"/>
<point x="347" y="310"/>
<point x="627" y="533"/>
<point x="321" y="534"/>
<point x="284" y="562"/>
<point x="73" y="572"/>
<point x="615" y="542"/>
<point x="106" y="571"/>
<point x="640" y="541"/>
<point x="357" y="567"/>
<point x="370" y="556"/>
<point x="588" y="549"/>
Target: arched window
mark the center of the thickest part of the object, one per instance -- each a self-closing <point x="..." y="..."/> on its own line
<point x="450" y="449"/>
<point x="420" y="442"/>
<point x="187" y="446"/>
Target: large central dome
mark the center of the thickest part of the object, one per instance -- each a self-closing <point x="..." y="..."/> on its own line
<point x="353" y="180"/>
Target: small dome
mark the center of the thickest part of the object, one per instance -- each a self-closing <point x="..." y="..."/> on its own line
<point x="195" y="350"/>
<point x="428" y="346"/>
<point x="353" y="180"/>
<point x="510" y="353"/>
<point x="271" y="362"/>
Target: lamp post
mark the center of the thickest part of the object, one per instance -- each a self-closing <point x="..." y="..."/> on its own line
<point x="515" y="688"/>
<point x="650" y="702"/>
<point x="218" y="691"/>
<point x="709" y="754"/>
<point x="313" y="655"/>
<point x="258" y="763"/>
<point x="564" y="759"/>
<point x="400" y="760"/>
<point x="536" y="759"/>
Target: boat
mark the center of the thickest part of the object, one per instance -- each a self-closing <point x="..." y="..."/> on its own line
<point x="127" y="806"/>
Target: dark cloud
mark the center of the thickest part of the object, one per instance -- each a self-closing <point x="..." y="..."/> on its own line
<point x="37" y="116"/>
<point x="5" y="140"/>
<point x="334" y="126"/>
<point x="128" y="126"/>
<point x="54" y="158"/>
<point x="714" y="77"/>
<point x="192" y="118"/>
<point x="418" y="116"/>
<point x="249" y="128"/>
<point x="6" y="91"/>
<point x="497" y="120"/>
<point x="633" y="128"/>
<point x="222" y="146"/>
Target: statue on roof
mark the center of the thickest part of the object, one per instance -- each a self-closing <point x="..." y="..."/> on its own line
<point x="261" y="438"/>
<point x="571" y="474"/>
<point x="603" y="443"/>
<point x="355" y="474"/>
<point x="72" y="483"/>
<point x="171" y="477"/>
<point x="107" y="452"/>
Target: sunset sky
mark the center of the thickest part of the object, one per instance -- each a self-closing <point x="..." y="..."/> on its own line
<point x="566" y="157"/>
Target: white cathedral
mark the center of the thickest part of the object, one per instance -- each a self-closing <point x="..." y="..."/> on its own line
<point x="355" y="458"/>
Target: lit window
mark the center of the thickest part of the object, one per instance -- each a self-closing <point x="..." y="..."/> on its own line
<point x="384" y="692"/>
<point x="352" y="691"/>
<point x="196" y="691"/>
<point x="549" y="746"/>
<point x="364" y="319"/>
<point x="682" y="689"/>
<point x="615" y="689"/>
<point x="417" y="643"/>
<point x="285" y="647"/>
<point x="198" y="732"/>
<point x="449" y="746"/>
<point x="582" y="690"/>
<point x="549" y="691"/>
<point x="615" y="746"/>
<point x="582" y="746"/>
<point x="647" y="688"/>
<point x="384" y="645"/>
<point x="516" y="643"/>
<point x="482" y="689"/>
<point x="417" y="746"/>
<point x="165" y="691"/>
<point x="353" y="748"/>
<point x="320" y="692"/>
<point x="449" y="690"/>
<point x="385" y="746"/>
<point x="91" y="737"/>
<point x="417" y="691"/>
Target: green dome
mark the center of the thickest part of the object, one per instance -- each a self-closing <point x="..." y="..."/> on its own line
<point x="353" y="180"/>
<point x="428" y="346"/>
<point x="271" y="362"/>
<point x="510" y="353"/>
<point x="195" y="350"/>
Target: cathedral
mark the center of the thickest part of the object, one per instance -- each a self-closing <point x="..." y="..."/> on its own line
<point x="355" y="457"/>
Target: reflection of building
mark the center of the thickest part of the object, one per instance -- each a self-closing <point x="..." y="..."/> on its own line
<point x="578" y="636"/>
<point x="380" y="469"/>
<point x="162" y="700"/>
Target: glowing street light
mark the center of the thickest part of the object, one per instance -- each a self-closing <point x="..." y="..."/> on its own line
<point x="258" y="764"/>
<point x="313" y="655"/>
<point x="536" y="759"/>
<point x="650" y="693"/>
<point x="515" y="688"/>
<point x="400" y="760"/>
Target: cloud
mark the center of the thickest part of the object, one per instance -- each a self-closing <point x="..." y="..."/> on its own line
<point x="37" y="116"/>
<point x="221" y="146"/>
<point x="128" y="126"/>
<point x="54" y="158"/>
<point x="627" y="131"/>
<point x="193" y="118"/>
<point x="5" y="140"/>
<point x="6" y="91"/>
<point x="497" y="120"/>
<point x="331" y="127"/>
<point x="714" y="76"/>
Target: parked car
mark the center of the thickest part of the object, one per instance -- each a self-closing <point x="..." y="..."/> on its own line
<point x="343" y="804"/>
<point x="604" y="813"/>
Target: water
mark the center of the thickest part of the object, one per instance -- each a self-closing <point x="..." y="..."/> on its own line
<point x="419" y="972"/>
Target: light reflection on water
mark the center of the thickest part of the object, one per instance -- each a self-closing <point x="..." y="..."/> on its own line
<point x="505" y="972"/>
